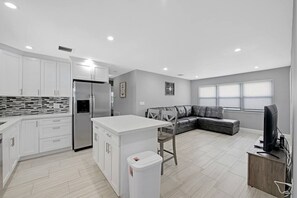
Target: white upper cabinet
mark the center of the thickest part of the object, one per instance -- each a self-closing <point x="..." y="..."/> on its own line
<point x="31" y="76"/>
<point x="82" y="72"/>
<point x="10" y="74"/>
<point x="101" y="74"/>
<point x="94" y="73"/>
<point x="48" y="78"/>
<point x="64" y="79"/>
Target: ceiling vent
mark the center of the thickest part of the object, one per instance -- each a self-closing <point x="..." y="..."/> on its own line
<point x="65" y="49"/>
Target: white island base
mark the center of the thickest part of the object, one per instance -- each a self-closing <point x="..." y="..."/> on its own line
<point x="115" y="139"/>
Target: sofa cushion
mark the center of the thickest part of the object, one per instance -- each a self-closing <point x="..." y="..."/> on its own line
<point x="214" y="112"/>
<point x="188" y="110"/>
<point x="182" y="122"/>
<point x="181" y="111"/>
<point x="192" y="119"/>
<point x="218" y="122"/>
<point x="170" y="109"/>
<point x="199" y="111"/>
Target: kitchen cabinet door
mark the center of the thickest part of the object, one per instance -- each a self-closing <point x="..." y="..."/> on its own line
<point x="10" y="74"/>
<point x="101" y="149"/>
<point x="64" y="80"/>
<point x="29" y="138"/>
<point x="82" y="72"/>
<point x="48" y="78"/>
<point x="115" y="169"/>
<point x="14" y="147"/>
<point x="31" y="76"/>
<point x="107" y="160"/>
<point x="5" y="156"/>
<point x="95" y="150"/>
<point x="101" y="74"/>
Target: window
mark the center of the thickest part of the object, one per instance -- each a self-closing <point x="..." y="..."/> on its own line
<point x="248" y="96"/>
<point x="208" y="96"/>
<point x="229" y="96"/>
<point x="256" y="95"/>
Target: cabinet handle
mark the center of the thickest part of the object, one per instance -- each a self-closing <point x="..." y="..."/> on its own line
<point x="106" y="147"/>
<point x="38" y="91"/>
<point x="56" y="141"/>
<point x="56" y="120"/>
<point x="56" y="128"/>
<point x="12" y="142"/>
<point x="21" y="91"/>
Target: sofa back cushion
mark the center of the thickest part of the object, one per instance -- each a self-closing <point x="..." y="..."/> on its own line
<point x="188" y="110"/>
<point x="198" y="110"/>
<point x="214" y="112"/>
<point x="170" y="109"/>
<point x="181" y="111"/>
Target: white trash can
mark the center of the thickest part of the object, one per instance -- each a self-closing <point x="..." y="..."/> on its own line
<point x="144" y="171"/>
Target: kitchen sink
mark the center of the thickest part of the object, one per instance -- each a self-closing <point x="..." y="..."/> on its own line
<point x="2" y="123"/>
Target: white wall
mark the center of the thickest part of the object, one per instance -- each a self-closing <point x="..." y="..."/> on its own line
<point x="294" y="97"/>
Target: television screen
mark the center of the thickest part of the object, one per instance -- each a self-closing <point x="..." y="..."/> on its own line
<point x="270" y="128"/>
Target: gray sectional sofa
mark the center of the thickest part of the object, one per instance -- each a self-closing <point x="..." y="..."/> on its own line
<point x="208" y="118"/>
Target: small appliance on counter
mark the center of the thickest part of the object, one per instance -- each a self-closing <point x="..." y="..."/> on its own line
<point x="90" y="100"/>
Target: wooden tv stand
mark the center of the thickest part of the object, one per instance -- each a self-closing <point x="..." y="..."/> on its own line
<point x="264" y="169"/>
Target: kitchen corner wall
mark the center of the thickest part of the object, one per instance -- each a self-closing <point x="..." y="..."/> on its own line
<point x="16" y="106"/>
<point x="146" y="89"/>
<point x="254" y="120"/>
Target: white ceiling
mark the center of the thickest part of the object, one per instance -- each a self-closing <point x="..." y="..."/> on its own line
<point x="190" y="37"/>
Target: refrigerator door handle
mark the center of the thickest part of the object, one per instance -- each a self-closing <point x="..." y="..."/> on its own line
<point x="91" y="106"/>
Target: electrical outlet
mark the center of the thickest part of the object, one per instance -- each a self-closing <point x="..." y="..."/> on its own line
<point x="141" y="103"/>
<point x="56" y="106"/>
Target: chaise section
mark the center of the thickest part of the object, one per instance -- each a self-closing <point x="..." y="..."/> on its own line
<point x="226" y="126"/>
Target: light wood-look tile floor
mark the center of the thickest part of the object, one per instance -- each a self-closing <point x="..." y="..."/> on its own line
<point x="210" y="165"/>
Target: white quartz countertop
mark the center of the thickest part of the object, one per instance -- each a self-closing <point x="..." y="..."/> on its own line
<point x="14" y="119"/>
<point x="128" y="123"/>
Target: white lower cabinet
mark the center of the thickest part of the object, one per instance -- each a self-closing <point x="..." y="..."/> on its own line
<point x="107" y="156"/>
<point x="29" y="138"/>
<point x="44" y="135"/>
<point x="10" y="150"/>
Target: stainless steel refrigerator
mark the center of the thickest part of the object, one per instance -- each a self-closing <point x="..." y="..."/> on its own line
<point x="90" y="100"/>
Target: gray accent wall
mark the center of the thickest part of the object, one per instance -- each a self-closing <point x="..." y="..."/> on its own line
<point x="146" y="89"/>
<point x="254" y="120"/>
<point x="126" y="105"/>
<point x="150" y="89"/>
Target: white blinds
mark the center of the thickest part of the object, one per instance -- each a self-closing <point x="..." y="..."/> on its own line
<point x="230" y="90"/>
<point x="207" y="92"/>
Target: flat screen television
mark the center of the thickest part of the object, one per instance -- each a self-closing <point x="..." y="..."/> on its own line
<point x="270" y="128"/>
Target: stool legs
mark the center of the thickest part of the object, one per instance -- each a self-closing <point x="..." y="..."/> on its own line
<point x="174" y="150"/>
<point x="162" y="155"/>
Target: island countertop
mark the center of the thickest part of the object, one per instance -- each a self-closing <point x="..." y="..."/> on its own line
<point x="128" y="123"/>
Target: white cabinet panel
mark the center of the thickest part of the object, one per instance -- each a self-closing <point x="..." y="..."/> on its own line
<point x="6" y="159"/>
<point x="29" y="138"/>
<point x="14" y="147"/>
<point x="10" y="74"/>
<point x="54" y="143"/>
<point x="54" y="130"/>
<point x="64" y="79"/>
<point x="101" y="74"/>
<point x="31" y="76"/>
<point x="48" y="78"/>
<point x="95" y="150"/>
<point x="82" y="72"/>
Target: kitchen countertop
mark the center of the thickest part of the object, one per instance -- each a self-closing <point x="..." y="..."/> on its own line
<point x="14" y="119"/>
<point x="120" y="125"/>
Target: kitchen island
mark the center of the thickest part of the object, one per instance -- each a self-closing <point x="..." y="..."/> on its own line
<point x="115" y="139"/>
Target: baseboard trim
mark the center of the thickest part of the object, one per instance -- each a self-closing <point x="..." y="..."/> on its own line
<point x="255" y="131"/>
<point x="45" y="154"/>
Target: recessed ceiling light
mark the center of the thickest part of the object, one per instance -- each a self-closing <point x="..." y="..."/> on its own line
<point x="10" y="5"/>
<point x="256" y="67"/>
<point x="110" y="38"/>
<point x="110" y="75"/>
<point x="165" y="68"/>
<point x="237" y="50"/>
<point x="196" y="76"/>
<point x="29" y="47"/>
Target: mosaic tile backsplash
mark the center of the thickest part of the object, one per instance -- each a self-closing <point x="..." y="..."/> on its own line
<point x="16" y="106"/>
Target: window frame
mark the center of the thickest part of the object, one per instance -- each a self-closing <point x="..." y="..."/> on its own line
<point x="241" y="86"/>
